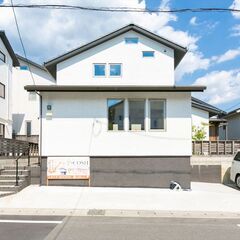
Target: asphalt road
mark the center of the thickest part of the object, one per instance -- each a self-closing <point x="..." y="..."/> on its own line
<point x="116" y="228"/>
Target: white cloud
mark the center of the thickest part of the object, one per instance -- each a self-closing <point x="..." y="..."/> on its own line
<point x="51" y="32"/>
<point x="192" y="62"/>
<point x="193" y="21"/>
<point x="236" y="5"/>
<point x="227" y="56"/>
<point x="48" y="33"/>
<point x="222" y="86"/>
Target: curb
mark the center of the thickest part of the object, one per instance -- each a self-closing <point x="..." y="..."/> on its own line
<point x="120" y="213"/>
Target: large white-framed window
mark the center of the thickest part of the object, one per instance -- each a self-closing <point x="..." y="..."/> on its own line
<point x="2" y="56"/>
<point x="136" y="114"/>
<point x="157" y="114"/>
<point x="115" y="69"/>
<point x="2" y="90"/>
<point x="99" y="70"/>
<point x="115" y="114"/>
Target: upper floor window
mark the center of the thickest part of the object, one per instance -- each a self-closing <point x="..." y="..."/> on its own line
<point x="2" y="57"/>
<point x="115" y="114"/>
<point x="2" y="90"/>
<point x="148" y="53"/>
<point x="99" y="70"/>
<point x="157" y="114"/>
<point x="23" y="67"/>
<point x="131" y="40"/>
<point x="115" y="70"/>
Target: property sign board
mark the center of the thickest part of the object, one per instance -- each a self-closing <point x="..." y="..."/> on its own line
<point x="68" y="168"/>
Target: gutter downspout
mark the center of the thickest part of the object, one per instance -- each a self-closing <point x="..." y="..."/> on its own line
<point x="40" y="135"/>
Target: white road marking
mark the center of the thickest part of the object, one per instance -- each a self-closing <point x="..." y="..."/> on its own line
<point x="28" y="221"/>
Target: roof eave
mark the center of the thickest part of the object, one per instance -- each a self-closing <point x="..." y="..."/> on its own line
<point x="9" y="48"/>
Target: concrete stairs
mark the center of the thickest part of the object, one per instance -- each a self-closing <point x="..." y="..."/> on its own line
<point x="8" y="180"/>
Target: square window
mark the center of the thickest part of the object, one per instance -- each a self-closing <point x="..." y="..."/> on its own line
<point x="115" y="70"/>
<point x="115" y="114"/>
<point x="99" y="70"/>
<point x="2" y="57"/>
<point x="148" y="53"/>
<point x="131" y="40"/>
<point x="157" y="114"/>
<point x="23" y="67"/>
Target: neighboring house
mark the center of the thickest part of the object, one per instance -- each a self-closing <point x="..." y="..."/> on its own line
<point x="116" y="108"/>
<point x="233" y="128"/>
<point x="209" y="118"/>
<point x="7" y="61"/>
<point x="25" y="112"/>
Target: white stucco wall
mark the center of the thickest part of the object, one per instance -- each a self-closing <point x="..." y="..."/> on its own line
<point x="25" y="108"/>
<point x="78" y="127"/>
<point x="158" y="70"/>
<point x="200" y="118"/>
<point x="233" y="129"/>
<point x="6" y="104"/>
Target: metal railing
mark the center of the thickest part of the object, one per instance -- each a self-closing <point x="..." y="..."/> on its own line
<point x="227" y="147"/>
<point x="11" y="148"/>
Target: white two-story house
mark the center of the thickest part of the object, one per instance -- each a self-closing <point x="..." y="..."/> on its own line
<point x="115" y="116"/>
<point x="8" y="60"/>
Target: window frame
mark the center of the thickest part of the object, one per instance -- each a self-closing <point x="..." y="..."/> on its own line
<point x="4" y="91"/>
<point x="4" y="57"/>
<point x="109" y="70"/>
<point x="26" y="122"/>
<point x="101" y="76"/>
<point x="164" y="115"/>
<point x="145" y="115"/>
<point x="126" y="42"/>
<point x="124" y="105"/>
<point x="150" y="51"/>
<point x="2" y="136"/>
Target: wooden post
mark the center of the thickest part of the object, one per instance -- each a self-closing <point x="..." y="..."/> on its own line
<point x="217" y="143"/>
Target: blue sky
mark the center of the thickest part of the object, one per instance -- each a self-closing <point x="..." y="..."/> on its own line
<point x="213" y="39"/>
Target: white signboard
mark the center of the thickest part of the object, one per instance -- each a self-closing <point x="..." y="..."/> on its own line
<point x="68" y="168"/>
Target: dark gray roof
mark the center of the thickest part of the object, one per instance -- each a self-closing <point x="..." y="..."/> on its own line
<point x="233" y="112"/>
<point x="77" y="88"/>
<point x="31" y="62"/>
<point x="179" y="51"/>
<point x="9" y="48"/>
<point x="197" y="103"/>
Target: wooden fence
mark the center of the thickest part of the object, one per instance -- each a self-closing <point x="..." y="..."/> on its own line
<point x="12" y="148"/>
<point x="215" y="147"/>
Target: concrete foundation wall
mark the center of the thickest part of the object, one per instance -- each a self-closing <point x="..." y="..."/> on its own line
<point x="139" y="171"/>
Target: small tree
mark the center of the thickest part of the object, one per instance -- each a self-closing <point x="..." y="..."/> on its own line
<point x="198" y="133"/>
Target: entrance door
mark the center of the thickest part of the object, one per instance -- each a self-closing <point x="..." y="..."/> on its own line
<point x="213" y="133"/>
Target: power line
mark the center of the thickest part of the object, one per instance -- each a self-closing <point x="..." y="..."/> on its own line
<point x="21" y="41"/>
<point x="118" y="9"/>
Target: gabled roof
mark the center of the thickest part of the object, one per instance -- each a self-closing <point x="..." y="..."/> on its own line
<point x="31" y="62"/>
<point x="179" y="51"/>
<point x="9" y="48"/>
<point x="197" y="103"/>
